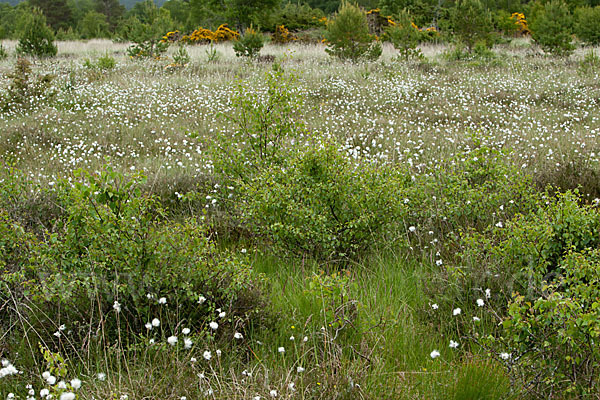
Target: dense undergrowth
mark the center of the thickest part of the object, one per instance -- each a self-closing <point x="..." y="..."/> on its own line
<point x="297" y="269"/>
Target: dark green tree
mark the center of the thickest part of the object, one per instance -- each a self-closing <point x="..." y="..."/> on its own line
<point x="587" y="25"/>
<point x="113" y="11"/>
<point x="471" y="23"/>
<point x="94" y="25"/>
<point x="404" y="35"/>
<point x="552" y="28"/>
<point x="36" y="39"/>
<point x="58" y="14"/>
<point x="348" y="36"/>
<point x="178" y="9"/>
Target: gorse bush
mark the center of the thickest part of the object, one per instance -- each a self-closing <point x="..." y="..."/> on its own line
<point x="37" y="38"/>
<point x="249" y="44"/>
<point x="348" y="36"/>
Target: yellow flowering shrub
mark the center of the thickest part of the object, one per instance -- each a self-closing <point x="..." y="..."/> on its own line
<point x="282" y="35"/>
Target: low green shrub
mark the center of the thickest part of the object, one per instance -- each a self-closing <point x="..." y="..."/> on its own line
<point x="26" y="89"/>
<point x="318" y="203"/>
<point x="103" y="269"/>
<point x="249" y="44"/>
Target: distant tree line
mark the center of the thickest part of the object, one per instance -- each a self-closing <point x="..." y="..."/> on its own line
<point x="86" y="19"/>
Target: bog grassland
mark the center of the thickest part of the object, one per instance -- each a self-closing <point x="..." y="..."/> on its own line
<point x="299" y="227"/>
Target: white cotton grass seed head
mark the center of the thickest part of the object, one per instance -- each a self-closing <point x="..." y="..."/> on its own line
<point x="44" y="392"/>
<point x="453" y="344"/>
<point x="67" y="396"/>
<point x="117" y="306"/>
<point x="187" y="343"/>
<point x="213" y="325"/>
<point x="299" y="370"/>
<point x="435" y="306"/>
<point x="162" y="300"/>
<point x="201" y="299"/>
<point x="75" y="383"/>
<point x="156" y="322"/>
<point x="62" y="385"/>
<point x="101" y="376"/>
<point x="207" y="355"/>
<point x="504" y="356"/>
<point x="222" y="314"/>
<point x="172" y="340"/>
<point x="148" y="326"/>
<point x="434" y="354"/>
<point x="238" y="336"/>
<point x="45" y="374"/>
<point x="273" y="393"/>
<point x="456" y="311"/>
<point x="480" y="303"/>
<point x="185" y="331"/>
<point x="281" y="349"/>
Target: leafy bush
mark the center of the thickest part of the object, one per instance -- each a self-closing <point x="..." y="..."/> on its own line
<point x="36" y="39"/>
<point x="471" y="23"/>
<point x="587" y="25"/>
<point x="348" y="35"/>
<point x="319" y="203"/>
<point x="106" y="62"/>
<point x="105" y="262"/>
<point x="249" y="44"/>
<point x="551" y="28"/>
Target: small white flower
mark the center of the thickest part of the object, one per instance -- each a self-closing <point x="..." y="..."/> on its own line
<point x="62" y="327"/>
<point x="292" y="338"/>
<point x="201" y="299"/>
<point x="185" y="331"/>
<point x="281" y="349"/>
<point x="504" y="356"/>
<point x="244" y="251"/>
<point x="152" y="341"/>
<point x="101" y="376"/>
<point x="499" y="224"/>
<point x="412" y="228"/>
<point x="213" y="325"/>
<point x="435" y="306"/>
<point x="299" y="370"/>
<point x="117" y="306"/>
<point x="67" y="396"/>
<point x="162" y="300"/>
<point x="256" y="398"/>
<point x="291" y="386"/>
<point x="476" y="319"/>
<point x="488" y="293"/>
<point x="45" y="375"/>
<point x="62" y="385"/>
<point x="218" y="353"/>
<point x="44" y="392"/>
<point x="75" y="383"/>
<point x="51" y="380"/>
<point x="480" y="303"/>
<point x="222" y="314"/>
<point x="434" y="354"/>
<point x="207" y="355"/>
<point x="187" y="343"/>
<point x="172" y="340"/>
<point x="453" y="344"/>
<point x="148" y="326"/>
<point x="456" y="311"/>
<point x="193" y="360"/>
<point x="238" y="335"/>
<point x="438" y="262"/>
<point x="273" y="393"/>
<point x="155" y="322"/>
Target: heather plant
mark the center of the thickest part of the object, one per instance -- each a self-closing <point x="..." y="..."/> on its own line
<point x="552" y="27"/>
<point x="37" y="38"/>
<point x="348" y="36"/>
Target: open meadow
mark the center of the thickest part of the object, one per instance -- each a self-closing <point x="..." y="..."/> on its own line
<point x="299" y="227"/>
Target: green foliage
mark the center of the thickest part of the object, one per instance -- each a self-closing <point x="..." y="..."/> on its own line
<point x="112" y="245"/>
<point x="318" y="203"/>
<point x="146" y="33"/>
<point x="348" y="36"/>
<point x="296" y="16"/>
<point x="26" y="89"/>
<point x="3" y="53"/>
<point x="587" y="25"/>
<point x="405" y="36"/>
<point x="553" y="335"/>
<point x="264" y="122"/>
<point x="552" y="28"/>
<point x="333" y="294"/>
<point x="36" y="39"/>
<point x="249" y="44"/>
<point x="94" y="25"/>
<point x="181" y="57"/>
<point x="104" y="63"/>
<point x="471" y="23"/>
<point x="481" y="381"/>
